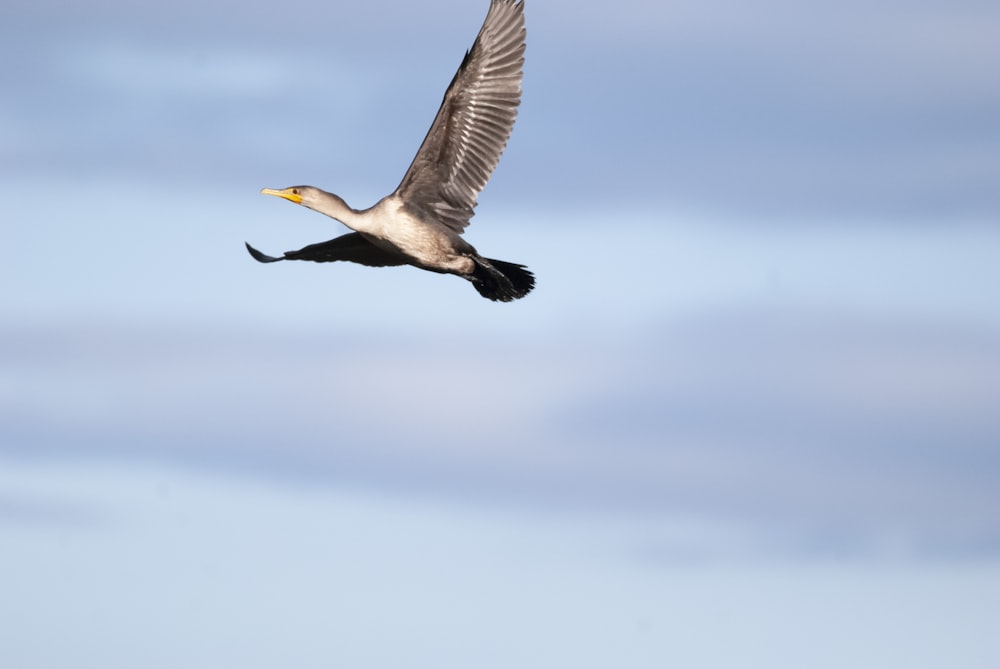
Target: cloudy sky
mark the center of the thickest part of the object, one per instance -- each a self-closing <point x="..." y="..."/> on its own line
<point x="748" y="415"/>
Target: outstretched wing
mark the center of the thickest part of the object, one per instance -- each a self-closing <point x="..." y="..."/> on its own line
<point x="351" y="247"/>
<point x="472" y="127"/>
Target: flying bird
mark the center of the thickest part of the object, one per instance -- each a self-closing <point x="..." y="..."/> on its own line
<point x="422" y="221"/>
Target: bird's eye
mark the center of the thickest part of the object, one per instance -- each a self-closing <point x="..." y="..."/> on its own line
<point x="295" y="191"/>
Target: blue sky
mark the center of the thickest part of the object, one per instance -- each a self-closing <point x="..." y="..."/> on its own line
<point x="749" y="412"/>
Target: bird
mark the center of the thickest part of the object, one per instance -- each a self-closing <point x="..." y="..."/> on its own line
<point x="422" y="221"/>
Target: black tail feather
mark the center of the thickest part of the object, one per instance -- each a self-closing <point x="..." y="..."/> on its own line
<point x="501" y="281"/>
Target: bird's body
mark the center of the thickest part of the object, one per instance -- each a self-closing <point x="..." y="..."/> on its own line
<point x="422" y="221"/>
<point x="391" y="227"/>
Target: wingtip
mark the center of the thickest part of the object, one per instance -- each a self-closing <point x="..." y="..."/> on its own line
<point x="260" y="257"/>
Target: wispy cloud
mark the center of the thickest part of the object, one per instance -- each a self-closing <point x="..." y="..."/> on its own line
<point x="862" y="429"/>
<point x="886" y="108"/>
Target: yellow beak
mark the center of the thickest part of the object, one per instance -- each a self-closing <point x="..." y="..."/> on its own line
<point x="289" y="194"/>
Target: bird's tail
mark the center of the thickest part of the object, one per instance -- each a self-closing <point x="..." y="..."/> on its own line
<point x="501" y="281"/>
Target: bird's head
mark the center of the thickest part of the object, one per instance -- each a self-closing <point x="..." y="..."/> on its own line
<point x="304" y="195"/>
<point x="315" y="199"/>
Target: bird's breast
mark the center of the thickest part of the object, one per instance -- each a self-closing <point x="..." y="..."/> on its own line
<point x="428" y="244"/>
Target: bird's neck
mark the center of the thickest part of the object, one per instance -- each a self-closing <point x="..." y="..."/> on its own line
<point x="335" y="207"/>
<point x="372" y="222"/>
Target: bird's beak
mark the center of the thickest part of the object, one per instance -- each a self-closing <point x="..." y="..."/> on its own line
<point x="287" y="193"/>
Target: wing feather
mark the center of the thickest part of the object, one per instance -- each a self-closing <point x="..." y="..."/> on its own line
<point x="351" y="247"/>
<point x="471" y="129"/>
